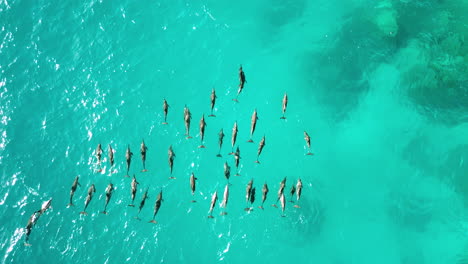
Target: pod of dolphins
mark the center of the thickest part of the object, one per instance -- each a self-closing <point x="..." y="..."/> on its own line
<point x="296" y="189"/>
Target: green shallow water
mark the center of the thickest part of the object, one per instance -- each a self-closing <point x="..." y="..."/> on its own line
<point x="380" y="86"/>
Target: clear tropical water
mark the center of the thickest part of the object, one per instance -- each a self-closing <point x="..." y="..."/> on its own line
<point x="380" y="86"/>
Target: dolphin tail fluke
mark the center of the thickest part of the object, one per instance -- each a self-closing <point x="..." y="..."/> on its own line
<point x="70" y="204"/>
<point x="144" y="170"/>
<point x="219" y="155"/>
<point x="250" y="141"/>
<point x="189" y="137"/>
<point x="274" y="205"/>
<point x="211" y="115"/>
<point x="211" y="216"/>
<point x="164" y="123"/>
<point x="193" y="201"/>
<point x="310" y="153"/>
<point x="172" y="178"/>
<point x="131" y="205"/>
<point x="248" y="209"/>
<point x="27" y="244"/>
<point x="258" y="162"/>
<point x="152" y="221"/>
<point x="137" y="218"/>
<point x="223" y="213"/>
<point x="297" y="206"/>
<point x="261" y="207"/>
<point x="84" y="213"/>
<point x="283" y="117"/>
<point x="283" y="215"/>
<point x="104" y="212"/>
<point x="201" y="146"/>
<point x="235" y="100"/>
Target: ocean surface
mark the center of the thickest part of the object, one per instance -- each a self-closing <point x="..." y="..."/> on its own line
<point x="381" y="87"/>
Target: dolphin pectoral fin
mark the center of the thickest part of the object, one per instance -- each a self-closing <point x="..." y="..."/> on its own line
<point x="153" y="221"/>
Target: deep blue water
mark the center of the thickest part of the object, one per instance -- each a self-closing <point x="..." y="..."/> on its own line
<point x="380" y="86"/>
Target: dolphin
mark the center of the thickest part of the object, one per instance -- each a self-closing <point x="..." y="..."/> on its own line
<point x="171" y="155"/>
<point x="242" y="82"/>
<point x="202" y="130"/>
<point x="307" y="140"/>
<point x="214" y="198"/>
<point x="248" y="192"/>
<point x="31" y="223"/>
<point x="252" y="197"/>
<point x="285" y="105"/>
<point x="165" y="110"/>
<point x="187" y="120"/>
<point x="292" y="192"/>
<point x="128" y="157"/>
<point x="281" y="190"/>
<point x="227" y="171"/>
<point x="133" y="190"/>
<point x="109" y="190"/>
<point x="253" y="124"/>
<point x="73" y="189"/>
<point x="264" y="194"/>
<point x="234" y="137"/>
<point x="98" y="156"/>
<point x="225" y="199"/>
<point x="91" y="192"/>
<point x="142" y="203"/>
<point x="193" y="180"/>
<point x="298" y="191"/>
<point x="260" y="148"/>
<point x="157" y="205"/>
<point x="220" y="142"/>
<point x="283" y="204"/>
<point x="111" y="157"/>
<point x="237" y="158"/>
<point x="213" y="101"/>
<point x="143" y="150"/>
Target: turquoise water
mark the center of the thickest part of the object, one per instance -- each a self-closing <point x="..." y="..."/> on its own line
<point x="380" y="86"/>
